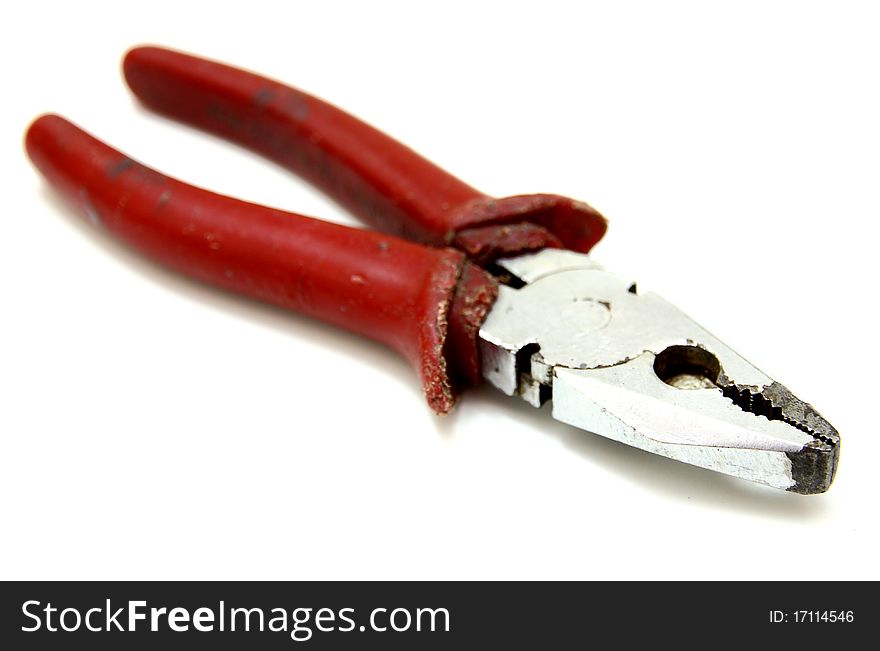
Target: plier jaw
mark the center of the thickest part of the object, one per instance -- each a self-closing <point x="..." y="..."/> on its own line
<point x="632" y="367"/>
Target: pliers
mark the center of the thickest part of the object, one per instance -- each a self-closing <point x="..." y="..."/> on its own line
<point x="486" y="289"/>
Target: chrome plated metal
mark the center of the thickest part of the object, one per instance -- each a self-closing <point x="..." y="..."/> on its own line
<point x="634" y="368"/>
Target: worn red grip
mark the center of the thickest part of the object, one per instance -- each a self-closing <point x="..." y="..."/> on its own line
<point x="387" y="184"/>
<point x="385" y="288"/>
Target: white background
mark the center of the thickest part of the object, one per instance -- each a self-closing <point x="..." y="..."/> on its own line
<point x="155" y="428"/>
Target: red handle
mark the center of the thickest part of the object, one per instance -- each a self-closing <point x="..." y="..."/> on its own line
<point x="401" y="294"/>
<point x="385" y="183"/>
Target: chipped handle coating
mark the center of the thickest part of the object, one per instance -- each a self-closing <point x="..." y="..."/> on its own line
<point x="396" y="292"/>
<point x="387" y="184"/>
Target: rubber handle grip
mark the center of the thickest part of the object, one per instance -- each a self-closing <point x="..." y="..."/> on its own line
<point x="396" y="292"/>
<point x="387" y="184"/>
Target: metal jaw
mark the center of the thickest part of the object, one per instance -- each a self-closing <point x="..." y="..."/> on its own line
<point x="635" y="369"/>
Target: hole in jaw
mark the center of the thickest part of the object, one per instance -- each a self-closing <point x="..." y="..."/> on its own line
<point x="687" y="367"/>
